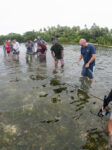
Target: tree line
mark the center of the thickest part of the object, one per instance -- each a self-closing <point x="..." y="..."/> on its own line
<point x="65" y="34"/>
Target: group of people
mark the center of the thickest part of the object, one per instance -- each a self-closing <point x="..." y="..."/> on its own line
<point x="11" y="48"/>
<point x="39" y="48"/>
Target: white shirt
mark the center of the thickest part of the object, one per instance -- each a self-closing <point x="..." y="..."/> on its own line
<point x="16" y="46"/>
<point x="35" y="47"/>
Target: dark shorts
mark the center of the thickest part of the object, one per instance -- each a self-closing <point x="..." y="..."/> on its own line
<point x="87" y="72"/>
<point x="42" y="58"/>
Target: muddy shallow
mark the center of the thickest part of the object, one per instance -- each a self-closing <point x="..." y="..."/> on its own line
<point x="46" y="109"/>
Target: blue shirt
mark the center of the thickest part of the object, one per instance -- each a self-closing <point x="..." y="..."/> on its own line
<point x="87" y="53"/>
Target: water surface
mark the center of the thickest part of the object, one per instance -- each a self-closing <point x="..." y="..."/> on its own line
<point x="46" y="109"/>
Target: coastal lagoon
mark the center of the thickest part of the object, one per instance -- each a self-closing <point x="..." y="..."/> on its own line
<point x="43" y="108"/>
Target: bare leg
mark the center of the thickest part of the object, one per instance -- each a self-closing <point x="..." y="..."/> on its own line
<point x="62" y="63"/>
<point x="91" y="80"/>
<point x="56" y="63"/>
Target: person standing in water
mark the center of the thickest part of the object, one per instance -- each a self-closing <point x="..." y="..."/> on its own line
<point x="15" y="49"/>
<point x="57" y="52"/>
<point x="35" y="47"/>
<point x="88" y="53"/>
<point x="29" y="51"/>
<point x="42" y="49"/>
<point x="4" y="48"/>
<point x="8" y="47"/>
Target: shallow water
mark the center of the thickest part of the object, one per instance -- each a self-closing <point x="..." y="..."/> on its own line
<point x="46" y="109"/>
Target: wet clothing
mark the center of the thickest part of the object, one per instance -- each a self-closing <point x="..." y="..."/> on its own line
<point x="87" y="53"/>
<point x="57" y="49"/>
<point x="87" y="72"/>
<point x="29" y="46"/>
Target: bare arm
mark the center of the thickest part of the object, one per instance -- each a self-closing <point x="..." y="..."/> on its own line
<point x="52" y="53"/>
<point x="79" y="59"/>
<point x="91" y="60"/>
<point x="62" y="54"/>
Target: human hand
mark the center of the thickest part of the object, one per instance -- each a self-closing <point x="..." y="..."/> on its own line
<point x="87" y="65"/>
<point x="79" y="63"/>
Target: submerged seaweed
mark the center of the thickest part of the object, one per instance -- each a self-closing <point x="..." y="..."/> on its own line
<point x="37" y="77"/>
<point x="59" y="90"/>
<point x="55" y="100"/>
<point x="55" y="82"/>
<point x="95" y="140"/>
<point x="51" y="121"/>
<point x="82" y="94"/>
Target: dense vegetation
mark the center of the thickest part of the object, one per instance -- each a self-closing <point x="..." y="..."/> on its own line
<point x="66" y="34"/>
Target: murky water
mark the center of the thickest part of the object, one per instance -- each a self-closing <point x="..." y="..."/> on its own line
<point x="46" y="109"/>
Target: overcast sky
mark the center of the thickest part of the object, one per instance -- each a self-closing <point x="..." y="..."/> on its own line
<point x="19" y="16"/>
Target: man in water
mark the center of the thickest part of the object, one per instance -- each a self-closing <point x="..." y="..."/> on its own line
<point x="29" y="52"/>
<point x="35" y="46"/>
<point x="57" y="53"/>
<point x="15" y="46"/>
<point x="88" y="53"/>
<point x="4" y="48"/>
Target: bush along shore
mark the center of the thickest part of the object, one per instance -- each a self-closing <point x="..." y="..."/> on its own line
<point x="100" y="36"/>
